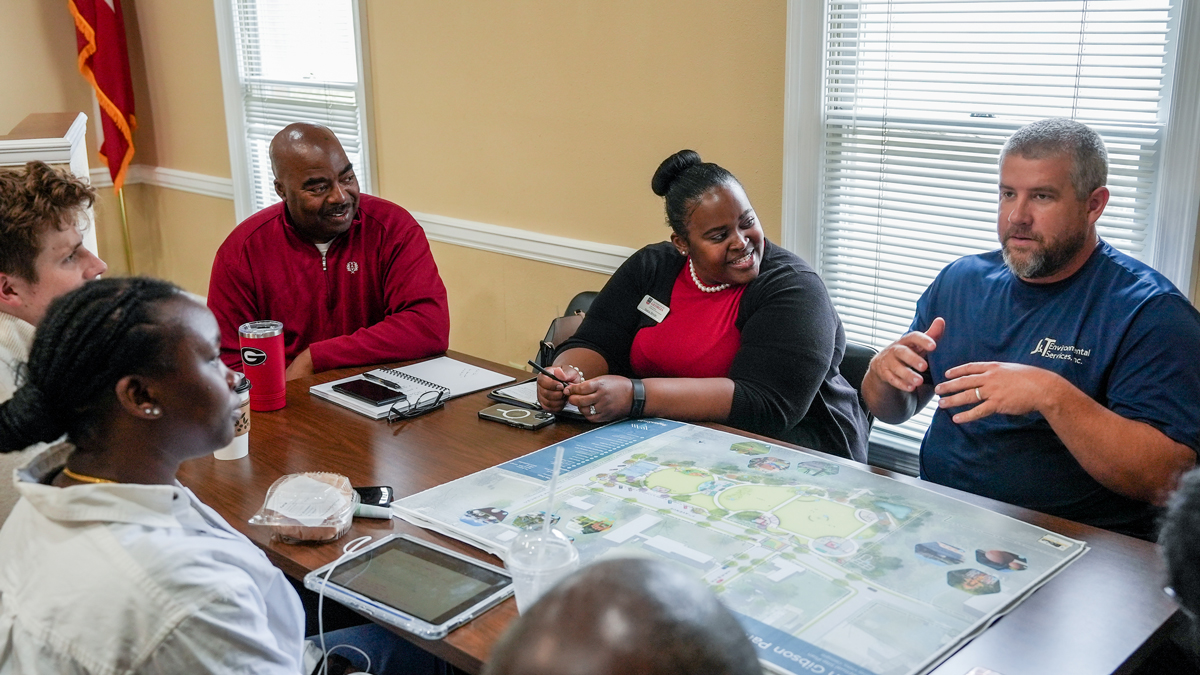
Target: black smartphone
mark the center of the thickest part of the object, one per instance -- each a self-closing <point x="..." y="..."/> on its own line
<point x="380" y="495"/>
<point x="371" y="392"/>
<point x="517" y="417"/>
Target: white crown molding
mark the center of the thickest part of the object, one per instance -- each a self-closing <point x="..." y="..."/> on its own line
<point x="547" y="248"/>
<point x="174" y="179"/>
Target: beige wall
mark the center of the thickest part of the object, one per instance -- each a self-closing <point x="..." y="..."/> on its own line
<point x="37" y="48"/>
<point x="551" y="116"/>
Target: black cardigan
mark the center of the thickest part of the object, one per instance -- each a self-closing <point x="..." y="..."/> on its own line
<point x="785" y="373"/>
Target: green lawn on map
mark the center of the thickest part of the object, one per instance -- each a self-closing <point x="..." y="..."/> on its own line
<point x="676" y="481"/>
<point x="754" y="497"/>
<point x="703" y="501"/>
<point x="820" y="518"/>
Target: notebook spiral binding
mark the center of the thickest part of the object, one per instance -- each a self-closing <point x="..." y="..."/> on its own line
<point x="424" y="383"/>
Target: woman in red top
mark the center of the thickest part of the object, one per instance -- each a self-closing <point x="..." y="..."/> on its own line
<point x="716" y="325"/>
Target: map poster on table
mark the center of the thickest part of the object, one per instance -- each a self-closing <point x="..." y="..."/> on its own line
<point x="832" y="570"/>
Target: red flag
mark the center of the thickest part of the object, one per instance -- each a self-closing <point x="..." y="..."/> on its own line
<point x="104" y="61"/>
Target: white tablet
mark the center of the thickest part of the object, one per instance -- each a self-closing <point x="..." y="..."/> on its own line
<point x="424" y="589"/>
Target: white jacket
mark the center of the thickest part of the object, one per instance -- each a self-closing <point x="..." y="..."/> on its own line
<point x="16" y="337"/>
<point x="136" y="579"/>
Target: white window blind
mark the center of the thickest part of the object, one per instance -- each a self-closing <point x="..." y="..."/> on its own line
<point x="297" y="61"/>
<point x="919" y="99"/>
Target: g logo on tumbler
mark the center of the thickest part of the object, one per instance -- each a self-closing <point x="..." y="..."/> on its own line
<point x="253" y="357"/>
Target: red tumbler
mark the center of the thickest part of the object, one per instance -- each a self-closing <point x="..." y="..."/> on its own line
<point x="263" y="363"/>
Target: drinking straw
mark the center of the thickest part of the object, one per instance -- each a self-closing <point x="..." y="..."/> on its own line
<point x="558" y="457"/>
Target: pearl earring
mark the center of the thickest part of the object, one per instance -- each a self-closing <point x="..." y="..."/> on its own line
<point x="154" y="411"/>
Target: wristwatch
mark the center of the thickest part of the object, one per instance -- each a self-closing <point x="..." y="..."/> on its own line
<point x="639" y="398"/>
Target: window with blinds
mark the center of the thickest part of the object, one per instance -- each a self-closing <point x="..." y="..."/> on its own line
<point x="919" y="99"/>
<point x="297" y="61"/>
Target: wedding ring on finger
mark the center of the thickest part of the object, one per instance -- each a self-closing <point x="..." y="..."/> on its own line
<point x="592" y="409"/>
<point x="977" y="395"/>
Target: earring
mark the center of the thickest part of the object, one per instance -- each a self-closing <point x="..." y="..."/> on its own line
<point x="153" y="411"/>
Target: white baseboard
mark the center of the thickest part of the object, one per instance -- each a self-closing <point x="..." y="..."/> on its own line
<point x="547" y="248"/>
<point x="186" y="181"/>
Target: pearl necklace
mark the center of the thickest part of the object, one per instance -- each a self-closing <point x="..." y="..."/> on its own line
<point x="702" y="287"/>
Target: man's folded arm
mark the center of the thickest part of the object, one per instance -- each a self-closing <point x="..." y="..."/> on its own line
<point x="419" y="330"/>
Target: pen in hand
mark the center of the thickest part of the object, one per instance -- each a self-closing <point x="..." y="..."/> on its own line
<point x="548" y="374"/>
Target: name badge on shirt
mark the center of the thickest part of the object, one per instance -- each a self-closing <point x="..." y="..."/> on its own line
<point x="653" y="309"/>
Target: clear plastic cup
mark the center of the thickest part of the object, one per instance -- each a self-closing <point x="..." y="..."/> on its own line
<point x="537" y="560"/>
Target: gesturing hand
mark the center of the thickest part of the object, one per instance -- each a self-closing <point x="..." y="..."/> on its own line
<point x="901" y="363"/>
<point x="992" y="387"/>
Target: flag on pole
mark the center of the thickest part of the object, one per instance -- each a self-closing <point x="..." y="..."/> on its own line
<point x="104" y="61"/>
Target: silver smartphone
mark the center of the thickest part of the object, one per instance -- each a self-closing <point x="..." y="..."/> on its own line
<point x="515" y="416"/>
<point x="424" y="589"/>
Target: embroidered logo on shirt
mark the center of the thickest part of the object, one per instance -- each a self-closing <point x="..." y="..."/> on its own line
<point x="351" y="267"/>
<point x="1050" y="349"/>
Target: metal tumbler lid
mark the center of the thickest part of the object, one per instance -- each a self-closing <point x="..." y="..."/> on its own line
<point x="260" y="329"/>
<point x="241" y="384"/>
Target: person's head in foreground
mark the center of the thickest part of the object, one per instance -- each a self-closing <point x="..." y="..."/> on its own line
<point x="1052" y="191"/>
<point x="41" y="247"/>
<point x="1180" y="541"/>
<point x="129" y="370"/>
<point x="315" y="179"/>
<point x="626" y="617"/>
<point x="711" y="219"/>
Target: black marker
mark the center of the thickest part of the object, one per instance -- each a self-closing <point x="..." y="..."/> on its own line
<point x="548" y="374"/>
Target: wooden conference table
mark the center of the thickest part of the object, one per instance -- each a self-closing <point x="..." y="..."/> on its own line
<point x="1103" y="614"/>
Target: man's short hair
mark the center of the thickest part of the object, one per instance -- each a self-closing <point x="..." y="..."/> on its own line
<point x="1061" y="136"/>
<point x="1180" y="540"/>
<point x="34" y="199"/>
<point x="625" y="616"/>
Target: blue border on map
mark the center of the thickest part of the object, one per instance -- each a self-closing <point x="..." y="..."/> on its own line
<point x="589" y="447"/>
<point x="793" y="654"/>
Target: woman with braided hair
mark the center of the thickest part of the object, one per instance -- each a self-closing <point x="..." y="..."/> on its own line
<point x="107" y="564"/>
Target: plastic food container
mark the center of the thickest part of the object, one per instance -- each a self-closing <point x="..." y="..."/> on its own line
<point x="308" y="507"/>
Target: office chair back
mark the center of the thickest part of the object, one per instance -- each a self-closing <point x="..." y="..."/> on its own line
<point x="562" y="328"/>
<point x="855" y="363"/>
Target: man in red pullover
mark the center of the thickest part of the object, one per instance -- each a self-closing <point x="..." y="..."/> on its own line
<point x="350" y="276"/>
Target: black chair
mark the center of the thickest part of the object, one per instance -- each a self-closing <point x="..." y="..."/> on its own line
<point x="562" y="328"/>
<point x="855" y="363"/>
<point x="582" y="302"/>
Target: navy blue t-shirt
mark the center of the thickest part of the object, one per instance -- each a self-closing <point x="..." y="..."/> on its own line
<point x="1116" y="329"/>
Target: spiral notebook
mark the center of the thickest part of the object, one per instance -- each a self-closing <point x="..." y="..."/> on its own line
<point x="446" y="375"/>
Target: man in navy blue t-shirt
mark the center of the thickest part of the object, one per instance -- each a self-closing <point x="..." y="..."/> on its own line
<point x="1069" y="372"/>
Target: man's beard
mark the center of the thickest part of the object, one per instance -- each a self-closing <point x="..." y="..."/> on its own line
<point x="1046" y="261"/>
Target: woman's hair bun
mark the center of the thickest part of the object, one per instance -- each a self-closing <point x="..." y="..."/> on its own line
<point x="671" y="169"/>
<point x="24" y="420"/>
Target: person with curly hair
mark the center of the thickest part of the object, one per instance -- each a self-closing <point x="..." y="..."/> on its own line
<point x="41" y="257"/>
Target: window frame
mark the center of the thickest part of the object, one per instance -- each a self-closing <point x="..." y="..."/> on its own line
<point x="235" y="115"/>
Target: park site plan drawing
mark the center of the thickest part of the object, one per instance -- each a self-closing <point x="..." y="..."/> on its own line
<point x="831" y="570"/>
